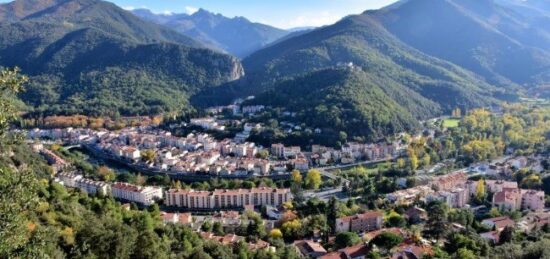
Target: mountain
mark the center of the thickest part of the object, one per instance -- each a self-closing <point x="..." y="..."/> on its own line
<point x="16" y="10"/>
<point x="500" y="43"/>
<point x="92" y="57"/>
<point x="218" y="31"/>
<point x="349" y="100"/>
<point x="362" y="41"/>
<point x="411" y="83"/>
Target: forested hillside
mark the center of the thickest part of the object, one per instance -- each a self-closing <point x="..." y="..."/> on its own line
<point x="504" y="45"/>
<point x="40" y="218"/>
<point x="91" y="57"/>
<point x="349" y="100"/>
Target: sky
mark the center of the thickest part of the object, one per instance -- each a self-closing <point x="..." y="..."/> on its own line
<point x="279" y="13"/>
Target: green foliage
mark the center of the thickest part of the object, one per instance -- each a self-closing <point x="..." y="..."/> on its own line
<point x="346" y="239"/>
<point x="313" y="179"/>
<point x="386" y="240"/>
<point x="91" y="57"/>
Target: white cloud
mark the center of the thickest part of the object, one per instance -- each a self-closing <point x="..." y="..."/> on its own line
<point x="191" y="9"/>
<point x="129" y="8"/>
<point x="310" y="19"/>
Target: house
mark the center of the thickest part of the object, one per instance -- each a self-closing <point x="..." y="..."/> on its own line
<point x="130" y="153"/>
<point x="507" y="199"/>
<point x="416" y="214"/>
<point x="406" y="251"/>
<point x="309" y="248"/>
<point x="532" y="200"/>
<point x="492" y="236"/>
<point x="359" y="251"/>
<point x="533" y="220"/>
<point x="498" y="223"/>
<point x="368" y="221"/>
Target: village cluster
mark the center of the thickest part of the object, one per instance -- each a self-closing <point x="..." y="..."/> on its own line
<point x="200" y="153"/>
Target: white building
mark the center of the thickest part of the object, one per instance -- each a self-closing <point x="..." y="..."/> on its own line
<point x="143" y="195"/>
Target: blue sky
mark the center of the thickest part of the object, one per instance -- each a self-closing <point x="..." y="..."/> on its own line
<point x="280" y="13"/>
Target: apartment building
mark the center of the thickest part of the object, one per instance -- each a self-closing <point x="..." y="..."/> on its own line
<point x="223" y="198"/>
<point x="368" y="221"/>
<point x="139" y="194"/>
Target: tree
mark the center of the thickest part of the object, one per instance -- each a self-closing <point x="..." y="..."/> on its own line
<point x="296" y="177"/>
<point x="313" y="179"/>
<point x="506" y="235"/>
<point x="396" y="220"/>
<point x="148" y="155"/>
<point x="275" y="233"/>
<point x="106" y="173"/>
<point x="437" y="219"/>
<point x="263" y="154"/>
<point x="480" y="190"/>
<point x="426" y="160"/>
<point x="217" y="229"/>
<point x="413" y="159"/>
<point x="387" y="240"/>
<point x="140" y="179"/>
<point x="400" y="163"/>
<point x="346" y="239"/>
<point x="464" y="253"/>
<point x="292" y="229"/>
<point x="18" y="186"/>
<point x="206" y="226"/>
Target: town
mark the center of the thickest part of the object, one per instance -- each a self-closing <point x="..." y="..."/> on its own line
<point x="487" y="190"/>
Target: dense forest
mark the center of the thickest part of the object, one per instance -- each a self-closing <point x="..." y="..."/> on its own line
<point x="91" y="57"/>
<point x="346" y="100"/>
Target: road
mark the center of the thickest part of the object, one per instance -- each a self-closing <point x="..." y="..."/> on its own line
<point x="338" y="191"/>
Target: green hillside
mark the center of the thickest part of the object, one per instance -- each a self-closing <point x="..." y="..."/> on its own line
<point x="91" y="57"/>
<point x="501" y="44"/>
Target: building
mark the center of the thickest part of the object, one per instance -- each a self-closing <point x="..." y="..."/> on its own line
<point x="532" y="200"/>
<point x="492" y="236"/>
<point x="309" y="248"/>
<point x="143" y="195"/>
<point x="57" y="163"/>
<point x="533" y="221"/>
<point x="176" y="218"/>
<point x="498" y="223"/>
<point x="368" y="221"/>
<point x="93" y="187"/>
<point x="507" y="199"/>
<point x="359" y="251"/>
<point x="449" y="181"/>
<point x="223" y="198"/>
<point x="516" y="199"/>
<point x="495" y="186"/>
<point x="231" y="239"/>
<point x="68" y="179"/>
<point x="416" y="215"/>
<point x="455" y="198"/>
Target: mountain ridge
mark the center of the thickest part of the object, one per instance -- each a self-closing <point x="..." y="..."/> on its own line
<point x="218" y="31"/>
<point x="85" y="57"/>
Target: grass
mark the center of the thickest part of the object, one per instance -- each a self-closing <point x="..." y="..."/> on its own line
<point x="450" y="123"/>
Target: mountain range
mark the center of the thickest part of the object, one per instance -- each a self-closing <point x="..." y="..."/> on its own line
<point x="92" y="57"/>
<point x="369" y="74"/>
<point x="218" y="31"/>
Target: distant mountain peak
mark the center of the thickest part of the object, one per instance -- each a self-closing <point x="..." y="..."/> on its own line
<point x="218" y="31"/>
